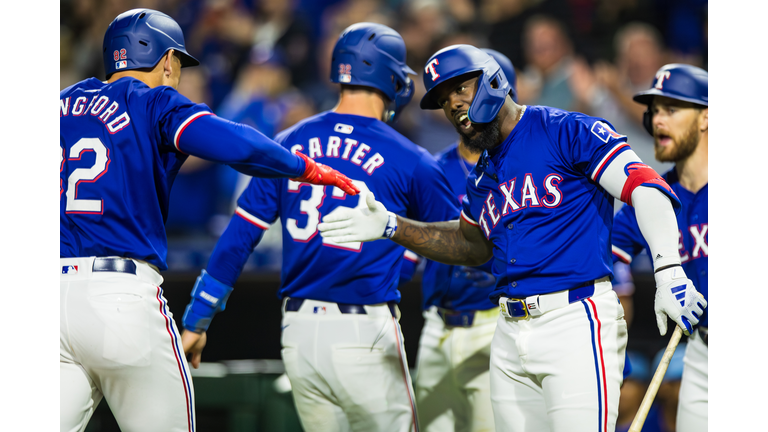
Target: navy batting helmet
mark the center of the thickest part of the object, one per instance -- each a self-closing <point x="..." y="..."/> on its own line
<point x="456" y="60"/>
<point x="507" y="68"/>
<point x="139" y="38"/>
<point x="675" y="81"/>
<point x="373" y="55"/>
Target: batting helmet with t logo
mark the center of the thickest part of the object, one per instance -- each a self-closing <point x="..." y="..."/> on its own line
<point x="676" y="81"/>
<point x="139" y="38"/>
<point x="456" y="60"/>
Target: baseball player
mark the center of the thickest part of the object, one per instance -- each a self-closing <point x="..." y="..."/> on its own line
<point x="342" y="345"/>
<point x="452" y="382"/>
<point x="122" y="143"/>
<point x="677" y="118"/>
<point x="540" y="204"/>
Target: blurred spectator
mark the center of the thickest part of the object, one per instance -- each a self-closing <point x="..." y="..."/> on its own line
<point x="607" y="90"/>
<point x="549" y="53"/>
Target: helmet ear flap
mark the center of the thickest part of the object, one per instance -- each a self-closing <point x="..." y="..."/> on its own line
<point x="648" y="120"/>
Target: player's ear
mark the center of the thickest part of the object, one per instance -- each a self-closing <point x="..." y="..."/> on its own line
<point x="704" y="120"/>
<point x="168" y="63"/>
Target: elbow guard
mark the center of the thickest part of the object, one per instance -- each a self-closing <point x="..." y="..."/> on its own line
<point x="640" y="174"/>
<point x="209" y="296"/>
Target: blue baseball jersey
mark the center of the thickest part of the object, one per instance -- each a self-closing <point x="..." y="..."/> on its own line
<point x="456" y="287"/>
<point x="403" y="176"/>
<point x="536" y="196"/>
<point x="122" y="145"/>
<point x="693" y="227"/>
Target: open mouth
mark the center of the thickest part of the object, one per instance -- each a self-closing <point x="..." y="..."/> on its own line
<point x="663" y="140"/>
<point x="463" y="121"/>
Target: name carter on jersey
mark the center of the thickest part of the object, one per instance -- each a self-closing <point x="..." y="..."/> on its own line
<point x="96" y="107"/>
<point x="334" y="150"/>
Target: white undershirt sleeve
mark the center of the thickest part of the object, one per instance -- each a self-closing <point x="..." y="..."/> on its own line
<point x="655" y="214"/>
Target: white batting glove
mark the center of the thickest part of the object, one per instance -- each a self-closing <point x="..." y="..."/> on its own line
<point x="677" y="298"/>
<point x="372" y="222"/>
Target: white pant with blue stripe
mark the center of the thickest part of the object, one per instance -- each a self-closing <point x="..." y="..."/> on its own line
<point x="118" y="341"/>
<point x="560" y="371"/>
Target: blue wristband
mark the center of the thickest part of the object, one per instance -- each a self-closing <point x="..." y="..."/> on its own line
<point x="209" y="296"/>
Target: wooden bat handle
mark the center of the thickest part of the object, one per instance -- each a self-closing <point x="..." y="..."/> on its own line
<point x="658" y="376"/>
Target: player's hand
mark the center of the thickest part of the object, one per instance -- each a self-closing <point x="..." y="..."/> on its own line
<point x="193" y="343"/>
<point x="677" y="298"/>
<point x="348" y="224"/>
<point x="320" y="174"/>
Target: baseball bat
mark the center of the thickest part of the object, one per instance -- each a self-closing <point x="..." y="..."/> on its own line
<point x="658" y="376"/>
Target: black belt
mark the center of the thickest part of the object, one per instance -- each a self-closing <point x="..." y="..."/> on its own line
<point x="119" y="265"/>
<point x="294" y="304"/>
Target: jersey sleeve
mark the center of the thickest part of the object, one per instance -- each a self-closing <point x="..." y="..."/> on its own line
<point x="590" y="143"/>
<point x="430" y="196"/>
<point x="193" y="129"/>
<point x="233" y="249"/>
<point x="258" y="204"/>
<point x="256" y="211"/>
<point x="626" y="238"/>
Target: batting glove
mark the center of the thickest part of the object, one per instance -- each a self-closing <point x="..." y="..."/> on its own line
<point x="369" y="223"/>
<point x="319" y="174"/>
<point x="677" y="298"/>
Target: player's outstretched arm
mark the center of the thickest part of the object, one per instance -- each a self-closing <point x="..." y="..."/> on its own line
<point x="251" y="152"/>
<point x="451" y="242"/>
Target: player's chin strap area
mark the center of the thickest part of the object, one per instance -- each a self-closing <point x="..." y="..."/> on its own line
<point x="209" y="296"/>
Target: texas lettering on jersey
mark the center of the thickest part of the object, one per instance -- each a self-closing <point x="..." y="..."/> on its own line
<point x="527" y="194"/>
<point x="537" y="196"/>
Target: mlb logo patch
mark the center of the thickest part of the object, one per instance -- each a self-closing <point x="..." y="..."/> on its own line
<point x="319" y="310"/>
<point x="342" y="128"/>
<point x="604" y="132"/>
<point x="345" y="73"/>
<point x="68" y="269"/>
<point x="122" y="64"/>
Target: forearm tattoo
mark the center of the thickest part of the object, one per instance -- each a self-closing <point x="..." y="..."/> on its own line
<point x="440" y="241"/>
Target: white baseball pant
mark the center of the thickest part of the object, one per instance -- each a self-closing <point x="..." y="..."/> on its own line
<point x="348" y="372"/>
<point x="692" y="415"/>
<point x="560" y="371"/>
<point x="453" y="384"/>
<point x="118" y="341"/>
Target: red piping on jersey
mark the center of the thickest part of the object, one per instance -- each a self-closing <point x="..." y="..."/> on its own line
<point x="245" y="215"/>
<point x="599" y="170"/>
<point x="178" y="361"/>
<point x="405" y="375"/>
<point x="186" y="123"/>
<point x="469" y="221"/>
<point x="602" y="365"/>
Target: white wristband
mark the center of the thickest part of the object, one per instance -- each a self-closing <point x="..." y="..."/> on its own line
<point x="391" y="227"/>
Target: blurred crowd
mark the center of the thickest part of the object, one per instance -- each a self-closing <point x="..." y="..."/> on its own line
<point x="266" y="63"/>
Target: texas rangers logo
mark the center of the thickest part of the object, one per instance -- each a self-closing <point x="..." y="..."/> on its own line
<point x="68" y="269"/>
<point x="431" y="69"/>
<point x="604" y="132"/>
<point x="345" y="72"/>
<point x="660" y="77"/>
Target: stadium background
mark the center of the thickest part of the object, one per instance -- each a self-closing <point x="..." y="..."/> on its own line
<point x="266" y="63"/>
